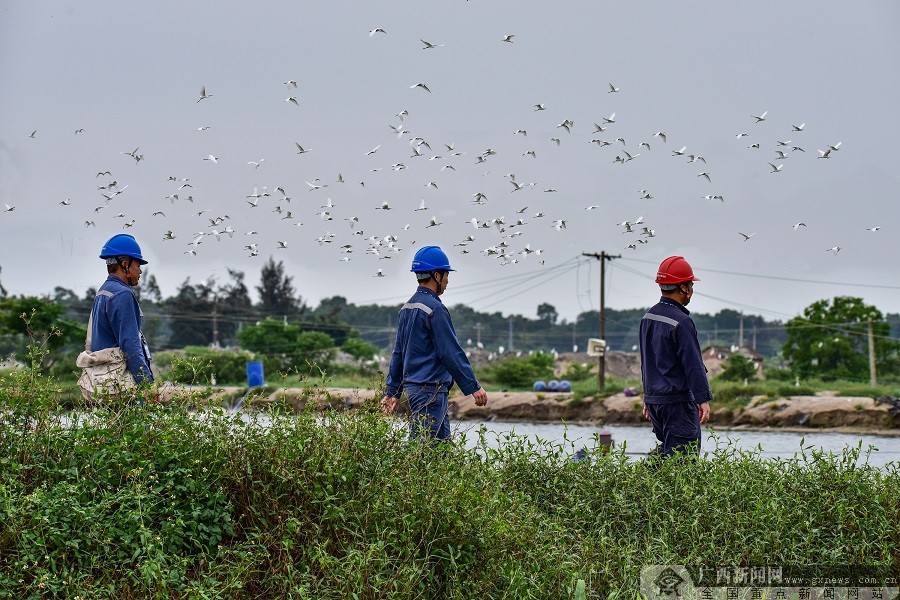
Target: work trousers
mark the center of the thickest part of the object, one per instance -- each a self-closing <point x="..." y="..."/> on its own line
<point x="677" y="427"/>
<point x="428" y="403"/>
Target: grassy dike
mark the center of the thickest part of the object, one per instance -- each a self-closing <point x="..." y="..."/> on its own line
<point x="162" y="502"/>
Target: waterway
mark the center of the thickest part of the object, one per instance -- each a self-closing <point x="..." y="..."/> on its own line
<point x="638" y="441"/>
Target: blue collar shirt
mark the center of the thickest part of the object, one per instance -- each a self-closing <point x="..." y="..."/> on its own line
<point x="116" y="323"/>
<point x="672" y="366"/>
<point x="427" y="350"/>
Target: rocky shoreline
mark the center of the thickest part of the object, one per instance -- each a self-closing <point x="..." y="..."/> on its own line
<point x="823" y="412"/>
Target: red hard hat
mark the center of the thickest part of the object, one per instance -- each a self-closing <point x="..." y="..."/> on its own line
<point x="675" y="270"/>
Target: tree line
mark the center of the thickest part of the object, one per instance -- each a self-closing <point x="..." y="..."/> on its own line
<point x="831" y="334"/>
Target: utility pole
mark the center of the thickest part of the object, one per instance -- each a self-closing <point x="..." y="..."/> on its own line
<point x="510" y="333"/>
<point x="871" y="355"/>
<point x="478" y="334"/>
<point x="601" y="361"/>
<point x="741" y="332"/>
<point x="215" y="322"/>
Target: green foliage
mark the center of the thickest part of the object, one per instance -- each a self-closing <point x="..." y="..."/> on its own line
<point x="734" y="394"/>
<point x="359" y="349"/>
<point x="522" y="372"/>
<point x="738" y="368"/>
<point x="777" y="374"/>
<point x="831" y="340"/>
<point x="786" y="391"/>
<point x="314" y="351"/>
<point x="578" y="372"/>
<point x="199" y="364"/>
<point x="27" y="319"/>
<point x="160" y="502"/>
<point x="287" y="347"/>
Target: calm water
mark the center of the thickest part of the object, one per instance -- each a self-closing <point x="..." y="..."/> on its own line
<point x="640" y="440"/>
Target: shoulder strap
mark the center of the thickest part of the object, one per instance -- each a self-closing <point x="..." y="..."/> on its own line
<point x="87" y="341"/>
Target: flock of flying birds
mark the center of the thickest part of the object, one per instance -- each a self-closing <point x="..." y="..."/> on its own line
<point x="352" y="236"/>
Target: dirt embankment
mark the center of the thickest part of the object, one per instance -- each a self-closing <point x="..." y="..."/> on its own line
<point x="823" y="411"/>
<point x="813" y="412"/>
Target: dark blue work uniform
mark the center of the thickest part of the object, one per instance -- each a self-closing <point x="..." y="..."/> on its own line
<point x="427" y="359"/>
<point x="116" y="322"/>
<point x="673" y="374"/>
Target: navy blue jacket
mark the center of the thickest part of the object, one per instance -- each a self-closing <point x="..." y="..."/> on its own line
<point x="427" y="350"/>
<point x="116" y="322"/>
<point x="671" y="361"/>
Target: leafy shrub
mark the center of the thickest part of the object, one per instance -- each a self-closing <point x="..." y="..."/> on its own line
<point x="738" y="368"/>
<point x="732" y="393"/>
<point x="522" y="372"/>
<point x="778" y="374"/>
<point x="577" y="372"/>
<point x="314" y="350"/>
<point x="865" y="391"/>
<point x="199" y="364"/>
<point x="786" y="391"/>
<point x="359" y="349"/>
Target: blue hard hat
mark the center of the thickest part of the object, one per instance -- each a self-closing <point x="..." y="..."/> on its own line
<point x="430" y="258"/>
<point x="122" y="244"/>
<point x="539" y="386"/>
<point x="553" y="385"/>
<point x="565" y="386"/>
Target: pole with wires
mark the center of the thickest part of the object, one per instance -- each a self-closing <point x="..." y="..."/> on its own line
<point x="601" y="360"/>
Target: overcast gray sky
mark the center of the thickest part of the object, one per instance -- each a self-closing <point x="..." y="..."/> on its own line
<point x="129" y="75"/>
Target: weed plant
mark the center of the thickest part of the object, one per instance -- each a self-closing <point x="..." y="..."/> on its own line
<point x="157" y="501"/>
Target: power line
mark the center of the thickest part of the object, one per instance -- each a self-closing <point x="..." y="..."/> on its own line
<point x="780" y="278"/>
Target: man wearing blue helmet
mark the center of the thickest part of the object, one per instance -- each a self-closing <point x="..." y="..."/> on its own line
<point x="115" y="320"/>
<point x="427" y="357"/>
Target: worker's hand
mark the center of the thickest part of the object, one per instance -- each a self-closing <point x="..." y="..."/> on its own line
<point x="388" y="405"/>
<point x="704" y="412"/>
<point x="646" y="413"/>
<point x="480" y="397"/>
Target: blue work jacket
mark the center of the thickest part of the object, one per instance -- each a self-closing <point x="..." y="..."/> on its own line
<point x="427" y="350"/>
<point x="671" y="361"/>
<point x="116" y="322"/>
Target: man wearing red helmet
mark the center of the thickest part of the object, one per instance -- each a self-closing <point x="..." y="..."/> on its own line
<point x="676" y="388"/>
<point x="427" y="357"/>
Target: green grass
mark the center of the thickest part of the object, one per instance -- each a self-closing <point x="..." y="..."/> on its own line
<point x="161" y="502"/>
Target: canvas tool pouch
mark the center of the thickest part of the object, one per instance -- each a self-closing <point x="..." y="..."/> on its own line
<point x="104" y="373"/>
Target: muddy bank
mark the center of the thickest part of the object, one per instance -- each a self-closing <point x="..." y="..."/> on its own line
<point x="797" y="413"/>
